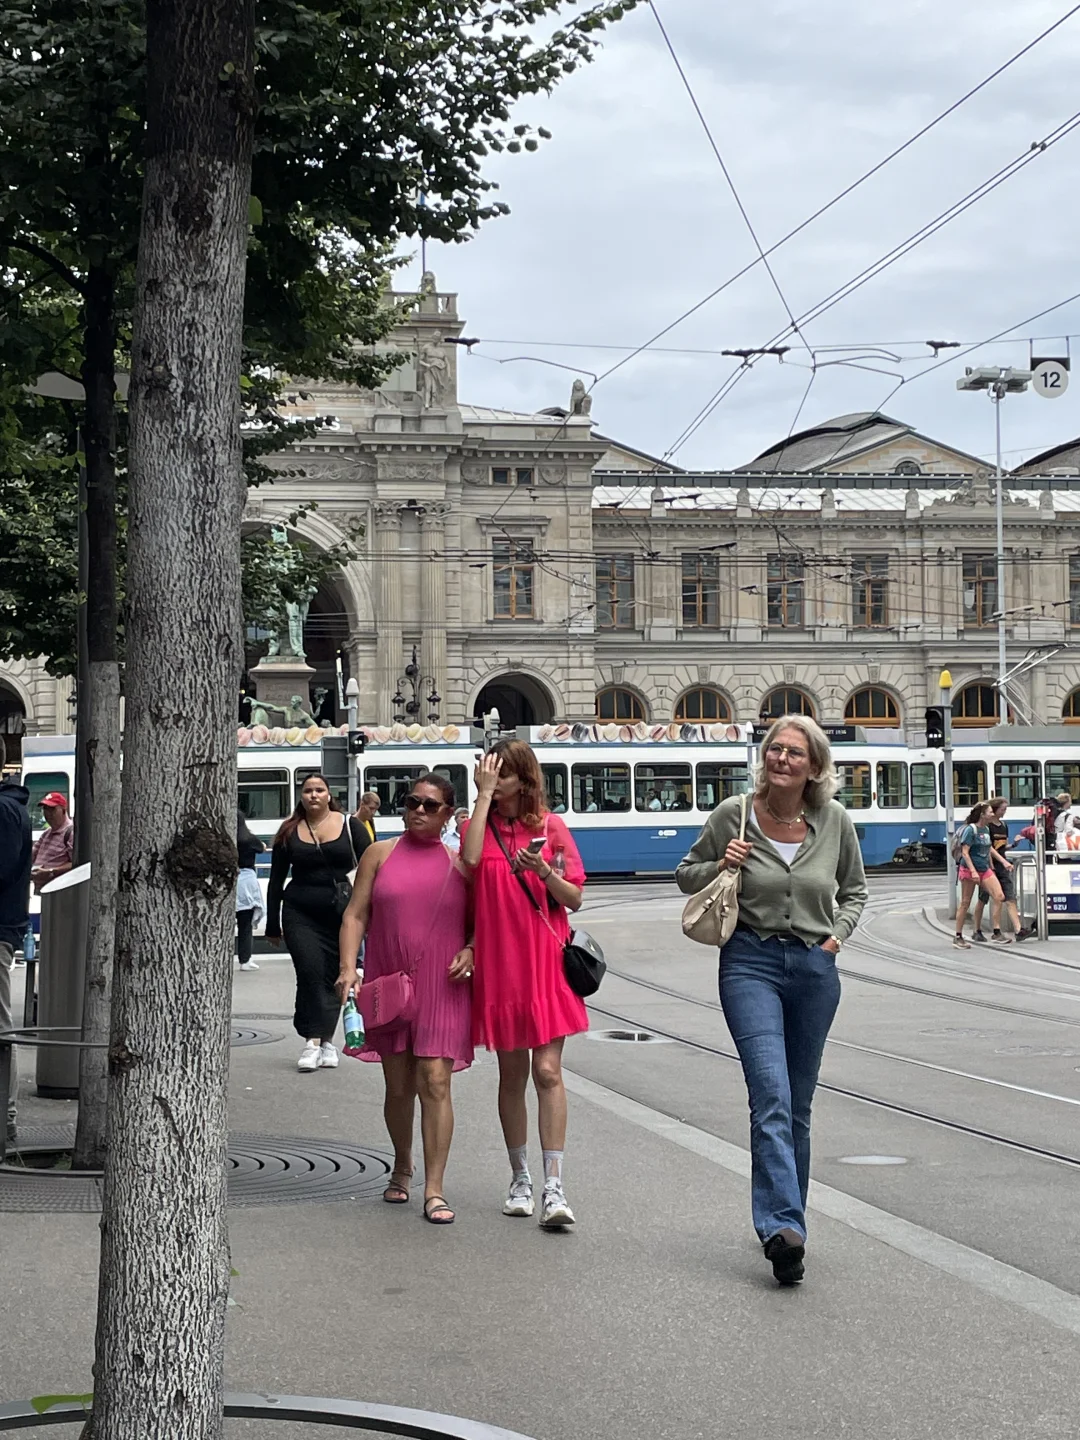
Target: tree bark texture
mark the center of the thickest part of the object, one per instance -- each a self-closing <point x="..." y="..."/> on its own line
<point x="164" y="1260"/>
<point x="98" y="822"/>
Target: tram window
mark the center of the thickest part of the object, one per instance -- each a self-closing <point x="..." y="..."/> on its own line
<point x="923" y="788"/>
<point x="393" y="782"/>
<point x="662" y="787"/>
<point x="892" y="785"/>
<point x="854" y="792"/>
<point x="41" y="784"/>
<point x="601" y="787"/>
<point x="264" y="794"/>
<point x="968" y="782"/>
<point x="1063" y="775"/>
<point x="1019" y="781"/>
<point x="717" y="782"/>
<point x="555" y="785"/>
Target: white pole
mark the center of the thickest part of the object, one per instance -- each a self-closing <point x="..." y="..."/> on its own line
<point x="352" y="693"/>
<point x="950" y="816"/>
<point x="998" y="395"/>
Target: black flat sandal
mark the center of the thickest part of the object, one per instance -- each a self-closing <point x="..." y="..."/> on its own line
<point x="397" y="1193"/>
<point x="785" y="1251"/>
<point x="433" y="1205"/>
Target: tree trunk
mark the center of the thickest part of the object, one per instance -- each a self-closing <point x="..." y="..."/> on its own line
<point x="98" y="823"/>
<point x="164" y="1263"/>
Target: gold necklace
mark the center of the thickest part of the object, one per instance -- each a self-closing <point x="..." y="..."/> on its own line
<point x="779" y="818"/>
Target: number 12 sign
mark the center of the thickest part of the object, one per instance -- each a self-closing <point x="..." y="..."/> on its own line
<point x="1050" y="379"/>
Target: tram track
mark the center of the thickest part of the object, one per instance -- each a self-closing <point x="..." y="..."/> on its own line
<point x="832" y="1087"/>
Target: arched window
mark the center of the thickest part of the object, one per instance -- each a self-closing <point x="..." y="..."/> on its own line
<point x="976" y="706"/>
<point x="702" y="704"/>
<point x="1070" y="711"/>
<point x="872" y="706"/>
<point x="615" y="703"/>
<point x="786" y="700"/>
<point x="908" y="467"/>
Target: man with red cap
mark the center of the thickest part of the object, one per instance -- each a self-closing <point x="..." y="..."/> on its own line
<point x="53" y="850"/>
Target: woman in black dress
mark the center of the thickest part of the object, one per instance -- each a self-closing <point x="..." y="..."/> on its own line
<point x="320" y="846"/>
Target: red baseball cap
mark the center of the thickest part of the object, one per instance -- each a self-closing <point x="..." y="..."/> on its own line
<point x="55" y="798"/>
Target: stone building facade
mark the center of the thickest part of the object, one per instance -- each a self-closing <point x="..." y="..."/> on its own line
<point x="540" y="567"/>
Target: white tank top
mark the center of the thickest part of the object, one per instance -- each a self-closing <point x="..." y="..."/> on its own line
<point x="786" y="849"/>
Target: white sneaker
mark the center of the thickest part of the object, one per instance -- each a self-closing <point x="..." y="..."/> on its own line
<point x="554" y="1211"/>
<point x="520" y="1199"/>
<point x="248" y="965"/>
<point x="309" y="1057"/>
<point x="328" y="1057"/>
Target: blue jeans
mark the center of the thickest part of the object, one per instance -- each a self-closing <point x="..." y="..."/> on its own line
<point x="779" y="997"/>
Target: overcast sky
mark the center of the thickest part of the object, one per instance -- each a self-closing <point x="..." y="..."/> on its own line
<point x="623" y="220"/>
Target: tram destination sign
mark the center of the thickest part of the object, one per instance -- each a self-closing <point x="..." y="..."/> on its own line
<point x="835" y="733"/>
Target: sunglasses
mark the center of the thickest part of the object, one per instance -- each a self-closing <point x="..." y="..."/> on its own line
<point x="429" y="807"/>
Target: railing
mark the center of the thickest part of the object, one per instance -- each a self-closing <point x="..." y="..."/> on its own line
<point x="307" y="1409"/>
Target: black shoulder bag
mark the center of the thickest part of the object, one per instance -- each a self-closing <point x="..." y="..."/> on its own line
<point x="583" y="960"/>
<point x="342" y="888"/>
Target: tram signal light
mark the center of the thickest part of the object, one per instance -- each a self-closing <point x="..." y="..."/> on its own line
<point x="935" y="727"/>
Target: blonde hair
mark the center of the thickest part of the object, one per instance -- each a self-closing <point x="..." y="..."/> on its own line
<point x="824" y="781"/>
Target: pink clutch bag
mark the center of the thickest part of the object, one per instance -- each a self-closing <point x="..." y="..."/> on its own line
<point x="386" y="1002"/>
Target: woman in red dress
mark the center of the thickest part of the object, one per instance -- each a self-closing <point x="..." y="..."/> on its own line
<point x="521" y="1001"/>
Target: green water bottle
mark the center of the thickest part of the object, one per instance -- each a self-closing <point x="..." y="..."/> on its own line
<point x="354" y="1027"/>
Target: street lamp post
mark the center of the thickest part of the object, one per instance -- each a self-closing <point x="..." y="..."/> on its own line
<point x="352" y="698"/>
<point x="945" y="686"/>
<point x="998" y="382"/>
<point x="410" y="709"/>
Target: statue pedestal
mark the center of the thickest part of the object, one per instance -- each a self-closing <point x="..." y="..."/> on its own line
<point x="279" y="677"/>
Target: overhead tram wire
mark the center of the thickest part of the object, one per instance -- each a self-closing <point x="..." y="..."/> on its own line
<point x="762" y="256"/>
<point x="883" y="263"/>
<point x="843" y="194"/>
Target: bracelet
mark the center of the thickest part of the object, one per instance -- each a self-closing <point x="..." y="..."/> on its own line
<point x="550" y="872"/>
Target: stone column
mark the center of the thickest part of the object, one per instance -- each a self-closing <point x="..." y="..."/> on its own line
<point x="433" y="600"/>
<point x="386" y="518"/>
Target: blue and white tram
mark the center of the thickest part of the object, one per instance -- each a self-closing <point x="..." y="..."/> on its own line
<point x="636" y="805"/>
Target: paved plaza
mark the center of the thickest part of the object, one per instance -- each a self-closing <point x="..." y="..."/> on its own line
<point x="942" y="1296"/>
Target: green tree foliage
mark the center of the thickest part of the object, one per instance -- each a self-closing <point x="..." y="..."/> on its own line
<point x="374" y="121"/>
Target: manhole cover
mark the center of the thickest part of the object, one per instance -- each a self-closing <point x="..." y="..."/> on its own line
<point x="261" y="1015"/>
<point x="246" y="1035"/>
<point x="261" y="1170"/>
<point x="631" y="1036"/>
<point x="871" y="1160"/>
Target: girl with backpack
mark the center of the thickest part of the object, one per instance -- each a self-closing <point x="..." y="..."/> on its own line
<point x="976" y="858"/>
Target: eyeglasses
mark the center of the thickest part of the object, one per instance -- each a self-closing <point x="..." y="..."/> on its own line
<point x="792" y="751"/>
<point x="429" y="807"/>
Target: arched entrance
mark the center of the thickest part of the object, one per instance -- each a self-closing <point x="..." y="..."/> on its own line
<point x="519" y="699"/>
<point x="12" y="724"/>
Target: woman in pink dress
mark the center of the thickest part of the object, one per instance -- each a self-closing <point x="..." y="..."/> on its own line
<point x="521" y="1001"/>
<point x="411" y="902"/>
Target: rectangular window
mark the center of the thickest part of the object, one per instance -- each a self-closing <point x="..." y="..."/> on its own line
<point x="785" y="590"/>
<point x="512" y="577"/>
<point x="892" y="784"/>
<point x="923" y="786"/>
<point x="393" y="782"/>
<point x="511" y="475"/>
<point x="1018" y="781"/>
<point x="717" y="782"/>
<point x="979" y="590"/>
<point x="870" y="590"/>
<point x="855" y="789"/>
<point x="701" y="590"/>
<point x="556" y="788"/>
<point x="969" y="782"/>
<point x="601" y="788"/>
<point x="264" y="794"/>
<point x="1063" y="775"/>
<point x="662" y="787"/>
<point x="615" y="592"/>
<point x="41" y="785"/>
<point x="1074" y="589"/>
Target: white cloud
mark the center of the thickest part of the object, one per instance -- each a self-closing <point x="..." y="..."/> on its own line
<point x="623" y="220"/>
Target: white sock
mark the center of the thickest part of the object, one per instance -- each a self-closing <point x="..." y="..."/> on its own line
<point x="553" y="1167"/>
<point x="519" y="1163"/>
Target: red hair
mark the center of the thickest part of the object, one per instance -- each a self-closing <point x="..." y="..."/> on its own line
<point x="519" y="758"/>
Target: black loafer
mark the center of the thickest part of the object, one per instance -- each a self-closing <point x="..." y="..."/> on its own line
<point x="785" y="1251"/>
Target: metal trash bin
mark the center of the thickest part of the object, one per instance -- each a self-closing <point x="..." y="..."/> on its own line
<point x="65" y="910"/>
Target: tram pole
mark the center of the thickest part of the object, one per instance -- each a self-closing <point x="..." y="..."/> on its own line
<point x="945" y="686"/>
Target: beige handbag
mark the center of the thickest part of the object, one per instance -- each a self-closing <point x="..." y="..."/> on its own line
<point x="711" y="915"/>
